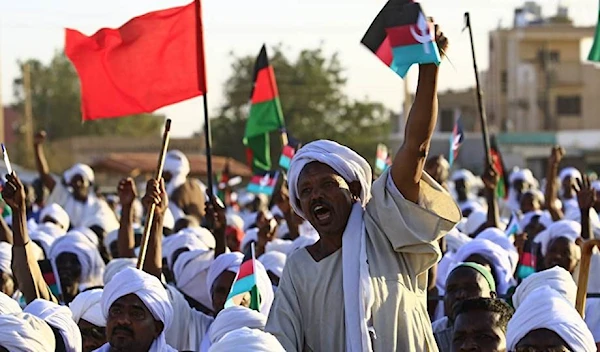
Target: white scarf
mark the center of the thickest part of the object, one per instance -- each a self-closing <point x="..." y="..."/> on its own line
<point x="246" y="339"/>
<point x="60" y="318"/>
<point x="92" y="265"/>
<point x="87" y="306"/>
<point x="556" y="278"/>
<point x="26" y="333"/>
<point x="57" y="213"/>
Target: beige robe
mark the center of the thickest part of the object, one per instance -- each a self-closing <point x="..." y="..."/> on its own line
<point x="308" y="311"/>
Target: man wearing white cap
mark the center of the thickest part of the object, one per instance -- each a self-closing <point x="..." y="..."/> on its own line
<point x="186" y="196"/>
<point x="362" y="285"/>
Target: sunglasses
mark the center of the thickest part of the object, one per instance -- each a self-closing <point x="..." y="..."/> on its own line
<point x="96" y="333"/>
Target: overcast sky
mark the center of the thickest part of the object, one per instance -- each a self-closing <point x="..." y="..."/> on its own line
<point x="34" y="29"/>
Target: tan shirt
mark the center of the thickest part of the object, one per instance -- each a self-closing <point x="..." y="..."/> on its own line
<point x="308" y="311"/>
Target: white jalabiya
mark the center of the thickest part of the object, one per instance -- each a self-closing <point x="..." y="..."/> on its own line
<point x="189" y="328"/>
<point x="117" y="265"/>
<point x="191" y="270"/>
<point x="5" y="258"/>
<point x="23" y="332"/>
<point x="58" y="214"/>
<point x="87" y="306"/>
<point x="544" y="308"/>
<point x="93" y="211"/>
<point x="398" y="237"/>
<point x="499" y="237"/>
<point x="92" y="265"/>
<point x="568" y="229"/>
<point x="247" y="340"/>
<point x="556" y="278"/>
<point x="592" y="305"/>
<point x="8" y="305"/>
<point x="150" y="291"/>
<point x="455" y="240"/>
<point x="60" y="318"/>
<point x="273" y="262"/>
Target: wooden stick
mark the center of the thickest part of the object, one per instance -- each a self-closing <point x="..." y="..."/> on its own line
<point x="584" y="273"/>
<point x="150" y="213"/>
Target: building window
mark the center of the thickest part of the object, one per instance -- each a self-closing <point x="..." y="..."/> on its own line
<point x="568" y="105"/>
<point x="504" y="82"/>
<point x="447" y="120"/>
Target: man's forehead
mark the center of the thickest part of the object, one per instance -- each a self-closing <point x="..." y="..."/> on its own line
<point x="130" y="300"/>
<point x="316" y="168"/>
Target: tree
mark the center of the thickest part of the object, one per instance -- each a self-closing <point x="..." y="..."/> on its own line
<point x="314" y="105"/>
<point x="56" y="104"/>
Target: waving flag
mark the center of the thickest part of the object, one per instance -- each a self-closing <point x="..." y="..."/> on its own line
<point x="401" y="36"/>
<point x="151" y="61"/>
<point x="456" y="140"/>
<point x="245" y="282"/>
<point x="502" y="189"/>
<point x="594" y="54"/>
<point x="287" y="154"/>
<point x="264" y="184"/>
<point x="265" y="114"/>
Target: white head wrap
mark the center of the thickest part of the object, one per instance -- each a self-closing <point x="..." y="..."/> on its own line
<point x="474" y="221"/>
<point x="79" y="169"/>
<point x="179" y="166"/>
<point x="191" y="270"/>
<point x="496" y="255"/>
<point x="149" y="290"/>
<point x="248" y="340"/>
<point x="44" y="240"/>
<point x="473" y="205"/>
<point x="455" y="240"/>
<point x="5" y="258"/>
<point x="56" y="212"/>
<point x="343" y="160"/>
<point x="544" y="308"/>
<point x="224" y="262"/>
<point x="87" y="306"/>
<point x="568" y="229"/>
<point x="168" y="220"/>
<point x="87" y="233"/>
<point x="544" y="218"/>
<point x="110" y="238"/>
<point x="8" y="305"/>
<point x="250" y="236"/>
<point x="26" y="333"/>
<point x="235" y="220"/>
<point x="203" y="235"/>
<point x="273" y="262"/>
<point x="181" y="240"/>
<point x="524" y="175"/>
<point x="463" y="174"/>
<point x="569" y="172"/>
<point x="117" y="265"/>
<point x="92" y="265"/>
<point x="556" y="278"/>
<point x="499" y="237"/>
<point x="60" y="318"/>
<point x="234" y="318"/>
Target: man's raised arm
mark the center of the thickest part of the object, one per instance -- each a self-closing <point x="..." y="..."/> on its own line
<point x="408" y="164"/>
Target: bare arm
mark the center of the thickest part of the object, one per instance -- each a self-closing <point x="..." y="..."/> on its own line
<point x="40" y="161"/>
<point x="408" y="164"/>
<point x="586" y="197"/>
<point x="490" y="180"/>
<point x="6" y="234"/>
<point x="155" y="194"/>
<point x="126" y="239"/>
<point x="551" y="186"/>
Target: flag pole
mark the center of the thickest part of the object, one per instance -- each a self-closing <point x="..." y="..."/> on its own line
<point x="150" y="213"/>
<point x="208" y="139"/>
<point x="482" y="114"/>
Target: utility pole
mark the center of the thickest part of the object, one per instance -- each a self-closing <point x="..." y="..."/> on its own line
<point x="28" y="112"/>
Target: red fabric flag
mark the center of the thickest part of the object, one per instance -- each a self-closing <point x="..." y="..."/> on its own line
<point x="153" y="60"/>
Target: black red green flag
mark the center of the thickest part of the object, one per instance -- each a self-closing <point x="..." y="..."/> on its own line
<point x="502" y="189"/>
<point x="265" y="114"/>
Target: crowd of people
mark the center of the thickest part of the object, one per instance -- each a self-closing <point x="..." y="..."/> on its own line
<point x="416" y="259"/>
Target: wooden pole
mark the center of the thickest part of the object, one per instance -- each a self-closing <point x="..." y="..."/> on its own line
<point x="584" y="273"/>
<point x="482" y="114"/>
<point x="150" y="212"/>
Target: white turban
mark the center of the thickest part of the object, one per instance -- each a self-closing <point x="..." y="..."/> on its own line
<point x="455" y="240"/>
<point x="87" y="306"/>
<point x="463" y="174"/>
<point x="524" y="175"/>
<point x="343" y="160"/>
<point x="569" y="172"/>
<point x="5" y="258"/>
<point x="474" y="221"/>
<point x="56" y="212"/>
<point x="79" y="169"/>
<point x="168" y="220"/>
<point x="60" y="318"/>
<point x="190" y="271"/>
<point x="234" y="318"/>
<point x="178" y="241"/>
<point x="117" y="265"/>
<point x="556" y="278"/>
<point x="51" y="229"/>
<point x="110" y="238"/>
<point x="273" y="262"/>
<point x="248" y="340"/>
<point x="26" y="333"/>
<point x="203" y="235"/>
<point x="87" y="233"/>
<point x="496" y="255"/>
<point x="44" y="240"/>
<point x="250" y="236"/>
<point x="544" y="218"/>
<point x="544" y="308"/>
<point x="235" y="221"/>
<point x="92" y="265"/>
<point x="499" y="237"/>
<point x="178" y="165"/>
<point x="472" y="205"/>
<point x="224" y="262"/>
<point x="8" y="305"/>
<point x="149" y="290"/>
<point x="568" y="229"/>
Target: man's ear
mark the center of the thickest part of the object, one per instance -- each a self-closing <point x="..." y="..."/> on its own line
<point x="355" y="189"/>
<point x="158" y="328"/>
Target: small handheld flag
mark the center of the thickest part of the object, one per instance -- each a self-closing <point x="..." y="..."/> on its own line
<point x="456" y="140"/>
<point x="50" y="276"/>
<point x="513" y="227"/>
<point x="264" y="184"/>
<point x="594" y="54"/>
<point x="401" y="36"/>
<point x="9" y="169"/>
<point x="286" y="156"/>
<point x="245" y="282"/>
<point x="503" y="185"/>
<point x="382" y="162"/>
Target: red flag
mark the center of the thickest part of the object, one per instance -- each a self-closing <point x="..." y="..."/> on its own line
<point x="153" y="60"/>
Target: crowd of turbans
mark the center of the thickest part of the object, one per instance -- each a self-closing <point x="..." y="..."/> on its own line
<point x="508" y="273"/>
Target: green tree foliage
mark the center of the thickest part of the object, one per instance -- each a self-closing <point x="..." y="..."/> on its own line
<point x="57" y="104"/>
<point x="311" y="88"/>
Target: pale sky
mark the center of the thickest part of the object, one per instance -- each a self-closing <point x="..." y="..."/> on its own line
<point x="34" y="29"/>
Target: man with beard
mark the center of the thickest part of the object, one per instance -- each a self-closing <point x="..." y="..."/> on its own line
<point x="362" y="285"/>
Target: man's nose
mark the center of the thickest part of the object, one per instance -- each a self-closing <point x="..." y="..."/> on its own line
<point x="469" y="345"/>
